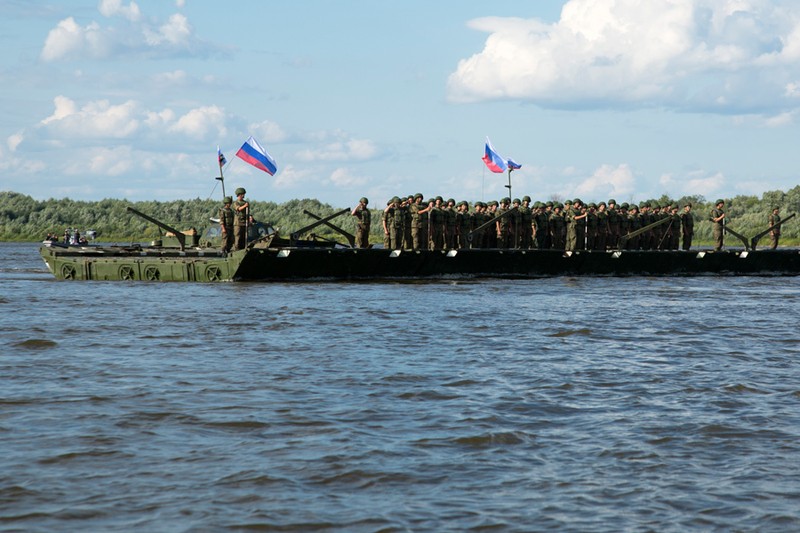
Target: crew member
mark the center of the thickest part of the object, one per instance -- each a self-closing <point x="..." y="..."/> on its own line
<point x="718" y="220"/>
<point x="775" y="231"/>
<point x="241" y="209"/>
<point x="226" y="224"/>
<point x="362" y="214"/>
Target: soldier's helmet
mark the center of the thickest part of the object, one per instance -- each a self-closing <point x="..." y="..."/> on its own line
<point x="240" y="190"/>
<point x="526" y="198"/>
<point x="612" y="201"/>
<point x="451" y="201"/>
<point x="418" y="195"/>
<point x="516" y="201"/>
<point x="395" y="199"/>
<point x="227" y="200"/>
<point x="364" y="200"/>
<point x="719" y="201"/>
<point x="506" y="200"/>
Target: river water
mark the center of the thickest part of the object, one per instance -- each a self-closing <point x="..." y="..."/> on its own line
<point x="569" y="404"/>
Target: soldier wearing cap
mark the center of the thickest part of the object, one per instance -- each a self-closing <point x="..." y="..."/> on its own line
<point x="462" y="224"/>
<point x="451" y="221"/>
<point x="363" y="217"/>
<point x="718" y="223"/>
<point x="612" y="224"/>
<point x="635" y="224"/>
<point x="226" y="224"/>
<point x="775" y="228"/>
<point x="687" y="226"/>
<point x="503" y="225"/>
<point x="591" y="226"/>
<point x="558" y="228"/>
<point x="241" y="208"/>
<point x="417" y="212"/>
<point x="525" y="223"/>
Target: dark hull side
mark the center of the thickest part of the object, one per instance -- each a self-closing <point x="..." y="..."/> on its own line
<point x="349" y="264"/>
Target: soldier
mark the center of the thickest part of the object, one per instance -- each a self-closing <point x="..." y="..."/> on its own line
<point x="687" y="226"/>
<point x="408" y="238"/>
<point x="775" y="231"/>
<point x="624" y="222"/>
<point x="676" y="227"/>
<point x="541" y="221"/>
<point x="580" y="224"/>
<point x="558" y="229"/>
<point x="635" y="224"/>
<point x="602" y="226"/>
<point x="503" y="225"/>
<point x="491" y="233"/>
<point x="526" y="223"/>
<point x="438" y="222"/>
<point x="387" y="222"/>
<point x="718" y="222"/>
<point x="364" y="217"/>
<point x="398" y="219"/>
<point x="644" y="220"/>
<point x="462" y="224"/>
<point x="226" y="224"/>
<point x="592" y="226"/>
<point x="241" y="209"/>
<point x="514" y="224"/>
<point x="476" y="221"/>
<point x="613" y="224"/>
<point x="451" y="221"/>
<point x="416" y="210"/>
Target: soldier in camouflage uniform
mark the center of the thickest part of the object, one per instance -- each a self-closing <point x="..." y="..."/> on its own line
<point x="591" y="226"/>
<point x="241" y="208"/>
<point x="491" y="233"/>
<point x="462" y="224"/>
<point x="438" y="221"/>
<point x="416" y="221"/>
<point x="387" y="223"/>
<point x="515" y="224"/>
<point x="718" y="221"/>
<point x="558" y="228"/>
<point x="676" y="227"/>
<point x="451" y="224"/>
<point x="526" y="224"/>
<point x="541" y="221"/>
<point x="635" y="224"/>
<point x="602" y="227"/>
<point x="687" y="226"/>
<point x="624" y="223"/>
<point x="503" y="225"/>
<point x="774" y="233"/>
<point x="226" y="224"/>
<point x="364" y="218"/>
<point x="613" y="224"/>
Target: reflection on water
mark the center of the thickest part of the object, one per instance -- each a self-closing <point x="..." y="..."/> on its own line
<point x="569" y="404"/>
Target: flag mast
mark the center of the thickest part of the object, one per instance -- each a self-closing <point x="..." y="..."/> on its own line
<point x="222" y="161"/>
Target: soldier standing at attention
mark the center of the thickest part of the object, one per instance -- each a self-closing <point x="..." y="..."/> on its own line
<point x="687" y="226"/>
<point x="226" y="224"/>
<point x="364" y="217"/>
<point x="718" y="220"/>
<point x="451" y="222"/>
<point x="526" y="223"/>
<point x="775" y="232"/>
<point x="241" y="209"/>
<point x="558" y="230"/>
<point x="416" y="211"/>
<point x="503" y="225"/>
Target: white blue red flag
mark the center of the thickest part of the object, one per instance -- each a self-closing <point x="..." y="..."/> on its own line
<point x="253" y="153"/>
<point x="221" y="157"/>
<point x="513" y="165"/>
<point x="493" y="160"/>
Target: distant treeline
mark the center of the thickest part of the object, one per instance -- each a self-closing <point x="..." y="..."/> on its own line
<point x="24" y="219"/>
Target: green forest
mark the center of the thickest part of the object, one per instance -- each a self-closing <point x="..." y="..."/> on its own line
<point x="23" y="218"/>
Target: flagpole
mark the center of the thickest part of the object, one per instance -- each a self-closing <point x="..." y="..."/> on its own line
<point x="509" y="182"/>
<point x="221" y="178"/>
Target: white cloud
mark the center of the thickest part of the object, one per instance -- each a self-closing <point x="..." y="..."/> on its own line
<point x="201" y="123"/>
<point x="291" y="176"/>
<point x="608" y="181"/>
<point x="686" y="54"/>
<point x="68" y="38"/>
<point x="103" y="162"/>
<point x="353" y="149"/>
<point x="138" y="36"/>
<point x="95" y="119"/>
<point x="342" y="177"/>
<point x="268" y="132"/>
<point x="14" y="140"/>
<point x="111" y="8"/>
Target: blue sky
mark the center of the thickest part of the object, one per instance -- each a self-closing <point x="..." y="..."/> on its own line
<point x="595" y="98"/>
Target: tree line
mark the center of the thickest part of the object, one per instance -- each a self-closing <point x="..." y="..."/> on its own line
<point x="23" y="218"/>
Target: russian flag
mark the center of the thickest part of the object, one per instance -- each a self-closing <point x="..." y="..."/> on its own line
<point x="253" y="153"/>
<point x="493" y="160"/>
<point x="221" y="157"/>
<point x="513" y="165"/>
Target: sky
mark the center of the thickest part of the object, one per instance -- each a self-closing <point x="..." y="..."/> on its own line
<point x="596" y="99"/>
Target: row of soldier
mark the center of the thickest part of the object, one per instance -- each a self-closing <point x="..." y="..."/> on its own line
<point x="437" y="224"/>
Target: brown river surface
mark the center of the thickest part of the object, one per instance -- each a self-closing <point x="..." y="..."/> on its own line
<point x="562" y="404"/>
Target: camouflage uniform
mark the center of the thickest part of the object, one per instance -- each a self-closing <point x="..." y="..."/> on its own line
<point x="774" y="234"/>
<point x="226" y="224"/>
<point x="687" y="226"/>
<point x="364" y="218"/>
<point x="718" y="226"/>
<point x="241" y="209"/>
